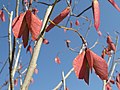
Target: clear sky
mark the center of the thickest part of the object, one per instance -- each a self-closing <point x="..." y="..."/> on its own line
<point x="50" y="73"/>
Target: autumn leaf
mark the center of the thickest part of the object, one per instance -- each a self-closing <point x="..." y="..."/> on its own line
<point x="111" y="45"/>
<point x="89" y="57"/>
<point x="81" y="68"/>
<point x="25" y="23"/>
<point x="34" y="24"/>
<point x="59" y="18"/>
<point x="16" y="25"/>
<point x="96" y="15"/>
<point x="114" y="4"/>
<point x="45" y="41"/>
<point x="57" y="60"/>
<point x="77" y="23"/>
<point x="118" y="81"/>
<point x="16" y="82"/>
<point x="100" y="66"/>
<point x="2" y="16"/>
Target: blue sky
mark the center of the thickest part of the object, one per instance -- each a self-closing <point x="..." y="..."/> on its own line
<point x="50" y="73"/>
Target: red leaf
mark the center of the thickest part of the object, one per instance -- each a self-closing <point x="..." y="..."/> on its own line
<point x="29" y="48"/>
<point x="16" y="25"/>
<point x="89" y="57"/>
<point x="77" y="23"/>
<point x="81" y="68"/>
<point x="16" y="82"/>
<point x="2" y="16"/>
<point x="108" y="86"/>
<point x="114" y="4"/>
<point x="57" y="60"/>
<point x="34" y="24"/>
<point x="100" y="66"/>
<point x="59" y="18"/>
<point x="110" y="43"/>
<point x="96" y="15"/>
<point x="25" y="36"/>
<point x="45" y="41"/>
<point x="35" y="11"/>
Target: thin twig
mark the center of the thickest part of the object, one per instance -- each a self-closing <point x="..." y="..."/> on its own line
<point x="64" y="83"/>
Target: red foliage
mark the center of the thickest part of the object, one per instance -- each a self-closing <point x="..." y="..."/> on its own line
<point x="59" y="18"/>
<point x="108" y="86"/>
<point x="25" y="23"/>
<point x="96" y="15"/>
<point x="111" y="45"/>
<point x="114" y="4"/>
<point x="77" y="23"/>
<point x="16" y="82"/>
<point x="2" y="16"/>
<point x="57" y="60"/>
<point x="88" y="60"/>
<point x="45" y="41"/>
<point x="118" y="81"/>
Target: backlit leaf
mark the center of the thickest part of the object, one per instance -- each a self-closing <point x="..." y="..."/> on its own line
<point x="96" y="15"/>
<point x="59" y="18"/>
<point x="114" y="4"/>
<point x="16" y="25"/>
<point x="34" y="24"/>
<point x="100" y="66"/>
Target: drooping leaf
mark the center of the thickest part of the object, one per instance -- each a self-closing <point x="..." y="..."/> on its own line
<point x="96" y="15"/>
<point x="34" y="24"/>
<point x="89" y="57"/>
<point x="77" y="65"/>
<point x="111" y="45"/>
<point x="16" y="25"/>
<point x="100" y="66"/>
<point x="81" y="67"/>
<point x="59" y="18"/>
<point x="25" y="35"/>
<point x="114" y="4"/>
<point x="2" y="15"/>
<point x="85" y="68"/>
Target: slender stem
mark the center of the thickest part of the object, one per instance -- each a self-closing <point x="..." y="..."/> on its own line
<point x="66" y="76"/>
<point x="64" y="83"/>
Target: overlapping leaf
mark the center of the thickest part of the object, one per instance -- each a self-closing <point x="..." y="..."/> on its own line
<point x="23" y="24"/>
